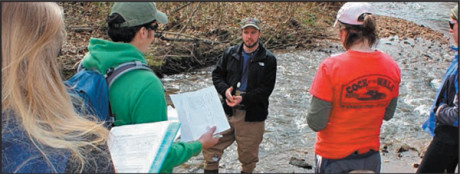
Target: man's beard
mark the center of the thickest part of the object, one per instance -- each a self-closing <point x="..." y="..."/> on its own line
<point x="253" y="45"/>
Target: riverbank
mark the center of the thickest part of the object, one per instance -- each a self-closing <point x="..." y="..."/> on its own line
<point x="199" y="38"/>
<point x="422" y="58"/>
<point x="197" y="32"/>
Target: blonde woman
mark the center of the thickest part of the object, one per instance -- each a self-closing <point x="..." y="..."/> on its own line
<point x="41" y="132"/>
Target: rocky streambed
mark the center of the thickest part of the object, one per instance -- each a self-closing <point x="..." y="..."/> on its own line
<point x="288" y="141"/>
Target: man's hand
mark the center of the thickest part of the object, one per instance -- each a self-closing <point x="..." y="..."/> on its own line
<point x="207" y="139"/>
<point x="231" y="100"/>
<point x="236" y="100"/>
<point x="228" y="95"/>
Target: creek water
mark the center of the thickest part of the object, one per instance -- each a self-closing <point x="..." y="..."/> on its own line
<point x="287" y="134"/>
<point x="429" y="14"/>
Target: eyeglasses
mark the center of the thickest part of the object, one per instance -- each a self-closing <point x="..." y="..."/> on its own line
<point x="451" y="24"/>
<point x="152" y="27"/>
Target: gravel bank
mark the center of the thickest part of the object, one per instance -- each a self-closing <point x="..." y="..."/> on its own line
<point x="422" y="55"/>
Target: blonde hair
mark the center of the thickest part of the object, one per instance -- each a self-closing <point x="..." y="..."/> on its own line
<point x="32" y="88"/>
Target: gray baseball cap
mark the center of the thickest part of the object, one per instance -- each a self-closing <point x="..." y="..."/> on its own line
<point x="250" y="22"/>
<point x="138" y="13"/>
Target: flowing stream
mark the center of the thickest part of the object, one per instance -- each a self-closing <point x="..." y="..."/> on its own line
<point x="287" y="134"/>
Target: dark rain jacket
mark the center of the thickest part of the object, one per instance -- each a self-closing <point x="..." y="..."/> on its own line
<point x="261" y="80"/>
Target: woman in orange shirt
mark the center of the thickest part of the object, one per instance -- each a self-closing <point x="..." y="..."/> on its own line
<point x="353" y="92"/>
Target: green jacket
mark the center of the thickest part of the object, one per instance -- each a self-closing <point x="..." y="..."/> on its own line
<point x="137" y="96"/>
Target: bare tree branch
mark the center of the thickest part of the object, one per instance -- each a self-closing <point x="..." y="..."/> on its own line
<point x="190" y="18"/>
<point x="177" y="9"/>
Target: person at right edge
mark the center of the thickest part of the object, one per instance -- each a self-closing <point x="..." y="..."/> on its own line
<point x="442" y="153"/>
<point x="352" y="93"/>
<point x="253" y="67"/>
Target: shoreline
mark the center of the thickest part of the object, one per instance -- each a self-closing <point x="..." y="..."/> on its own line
<point x="422" y="60"/>
<point x="85" y="20"/>
<point x="402" y="140"/>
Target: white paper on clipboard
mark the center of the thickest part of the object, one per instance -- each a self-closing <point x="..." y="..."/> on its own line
<point x="198" y="111"/>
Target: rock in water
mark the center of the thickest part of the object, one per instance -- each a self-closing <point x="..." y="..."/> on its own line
<point x="299" y="163"/>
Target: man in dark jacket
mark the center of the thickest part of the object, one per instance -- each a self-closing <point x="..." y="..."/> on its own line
<point x="245" y="77"/>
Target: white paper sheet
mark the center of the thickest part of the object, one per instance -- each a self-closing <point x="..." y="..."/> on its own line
<point x="198" y="111"/>
<point x="141" y="148"/>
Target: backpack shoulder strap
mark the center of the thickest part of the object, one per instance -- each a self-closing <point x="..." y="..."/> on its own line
<point x="113" y="74"/>
<point x="80" y="67"/>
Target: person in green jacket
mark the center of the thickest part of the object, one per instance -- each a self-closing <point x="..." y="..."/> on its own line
<point x="138" y="96"/>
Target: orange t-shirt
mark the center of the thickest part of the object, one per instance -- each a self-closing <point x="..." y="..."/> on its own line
<point x="360" y="85"/>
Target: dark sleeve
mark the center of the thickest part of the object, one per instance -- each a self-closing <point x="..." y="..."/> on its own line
<point x="264" y="90"/>
<point x="98" y="161"/>
<point x="448" y="114"/>
<point x="219" y="74"/>
<point x="390" y="109"/>
<point x="318" y="114"/>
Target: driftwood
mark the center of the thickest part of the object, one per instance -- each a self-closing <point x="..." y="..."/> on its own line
<point x="82" y="28"/>
<point x="188" y="39"/>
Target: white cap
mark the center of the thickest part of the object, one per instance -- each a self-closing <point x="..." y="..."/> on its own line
<point x="351" y="11"/>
